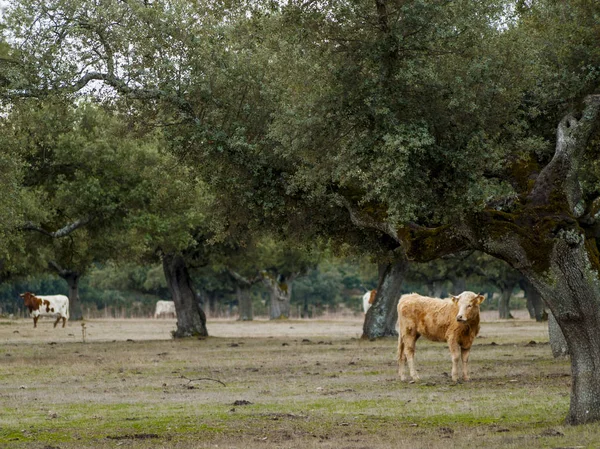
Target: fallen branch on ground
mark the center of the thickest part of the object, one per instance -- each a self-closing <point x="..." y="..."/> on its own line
<point x="181" y="376"/>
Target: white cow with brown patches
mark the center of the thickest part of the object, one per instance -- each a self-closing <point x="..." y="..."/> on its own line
<point x="369" y="299"/>
<point x="56" y="306"/>
<point x="454" y="320"/>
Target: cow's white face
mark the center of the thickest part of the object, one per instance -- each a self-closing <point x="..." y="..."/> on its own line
<point x="468" y="305"/>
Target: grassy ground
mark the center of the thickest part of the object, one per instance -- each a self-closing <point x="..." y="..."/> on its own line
<point x="295" y="384"/>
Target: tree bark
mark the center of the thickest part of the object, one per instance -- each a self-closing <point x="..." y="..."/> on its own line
<point x="244" y="303"/>
<point x="75" y="308"/>
<point x="558" y="344"/>
<point x="306" y="313"/>
<point x="208" y="303"/>
<point x="504" y="302"/>
<point x="280" y="295"/>
<point x="459" y="285"/>
<point x="191" y="320"/>
<point x="382" y="316"/>
<point x="243" y="286"/>
<point x="535" y="304"/>
<point x="436" y="289"/>
<point x="72" y="279"/>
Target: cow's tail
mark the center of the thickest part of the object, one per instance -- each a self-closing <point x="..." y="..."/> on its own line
<point x="400" y="351"/>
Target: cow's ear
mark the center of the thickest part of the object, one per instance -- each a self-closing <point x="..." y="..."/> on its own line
<point x="455" y="299"/>
<point x="480" y="299"/>
<point x="22" y="295"/>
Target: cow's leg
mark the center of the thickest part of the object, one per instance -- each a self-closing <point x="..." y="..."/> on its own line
<point x="35" y="318"/>
<point x="455" y="352"/>
<point x="401" y="357"/>
<point x="465" y="362"/>
<point x="57" y="320"/>
<point x="409" y="352"/>
<point x="64" y="318"/>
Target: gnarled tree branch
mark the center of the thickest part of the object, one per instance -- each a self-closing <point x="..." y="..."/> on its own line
<point x="558" y="182"/>
<point x="63" y="232"/>
<point x="364" y="221"/>
<point x="242" y="279"/>
<point x="426" y="244"/>
<point x="62" y="272"/>
<point x="116" y="83"/>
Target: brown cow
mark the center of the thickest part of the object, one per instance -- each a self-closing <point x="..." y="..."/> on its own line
<point x="454" y="320"/>
<point x="54" y="306"/>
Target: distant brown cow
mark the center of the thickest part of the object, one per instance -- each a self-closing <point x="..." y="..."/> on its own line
<point x="454" y="320"/>
<point x="56" y="306"/>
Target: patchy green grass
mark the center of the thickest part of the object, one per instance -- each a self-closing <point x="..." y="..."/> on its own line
<point x="283" y="392"/>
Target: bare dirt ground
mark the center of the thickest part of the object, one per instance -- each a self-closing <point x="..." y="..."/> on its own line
<point x="99" y="330"/>
<point x="285" y="384"/>
<point x="108" y="330"/>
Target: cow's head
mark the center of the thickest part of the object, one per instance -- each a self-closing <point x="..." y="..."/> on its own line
<point x="31" y="301"/>
<point x="468" y="305"/>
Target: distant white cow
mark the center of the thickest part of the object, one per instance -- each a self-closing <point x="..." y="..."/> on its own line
<point x="369" y="299"/>
<point x="165" y="309"/>
<point x="56" y="306"/>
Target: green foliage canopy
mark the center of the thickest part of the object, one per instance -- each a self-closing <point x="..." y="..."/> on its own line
<point x="407" y="112"/>
<point x="93" y="185"/>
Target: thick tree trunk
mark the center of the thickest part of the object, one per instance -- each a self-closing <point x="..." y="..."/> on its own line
<point x="201" y="300"/>
<point x="504" y="302"/>
<point x="305" y="309"/>
<point x="381" y="318"/>
<point x="244" y="303"/>
<point x="571" y="289"/>
<point x="75" y="309"/>
<point x="535" y="304"/>
<point x="554" y="246"/>
<point x="212" y="304"/>
<point x="72" y="279"/>
<point x="279" y="303"/>
<point x="560" y="264"/>
<point x="243" y="286"/>
<point x="204" y="301"/>
<point x="459" y="285"/>
<point x="191" y="320"/>
<point x="436" y="289"/>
